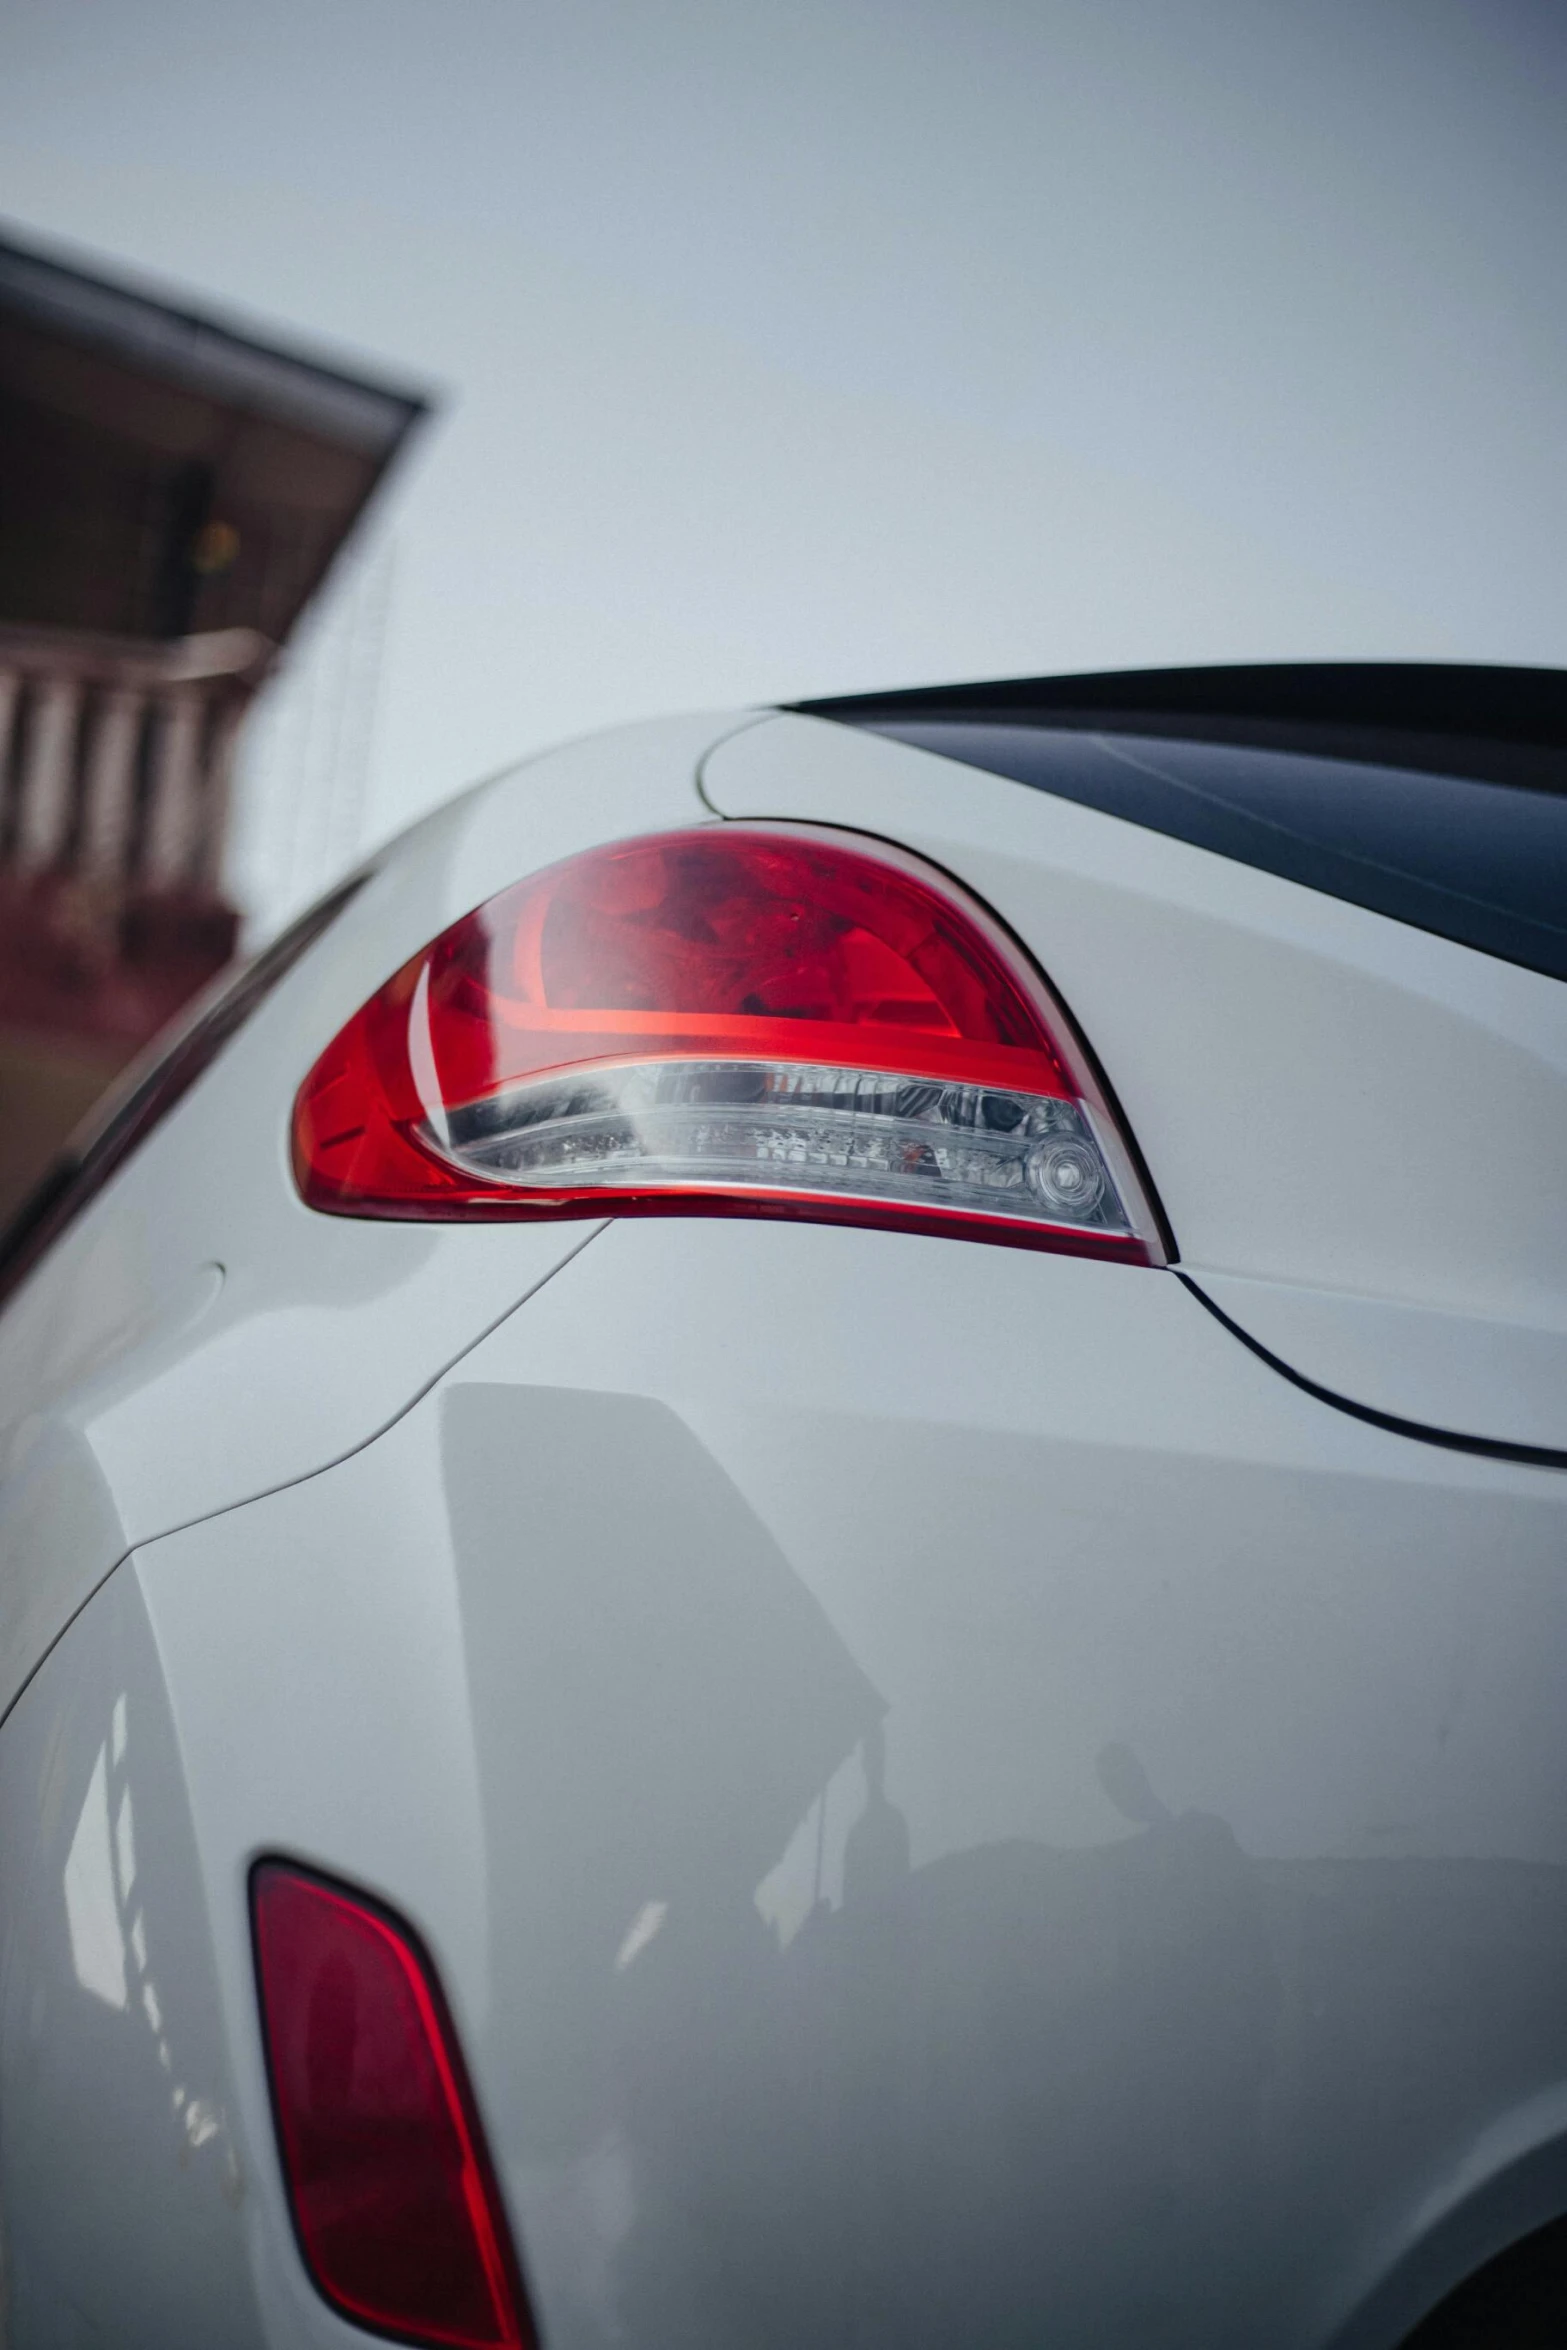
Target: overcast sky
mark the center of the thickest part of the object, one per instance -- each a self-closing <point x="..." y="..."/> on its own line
<point x="868" y="342"/>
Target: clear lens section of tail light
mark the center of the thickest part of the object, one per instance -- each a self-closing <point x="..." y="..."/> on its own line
<point x="391" y="2189"/>
<point x="737" y="1019"/>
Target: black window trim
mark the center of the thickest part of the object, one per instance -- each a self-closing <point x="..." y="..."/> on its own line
<point x="1472" y="731"/>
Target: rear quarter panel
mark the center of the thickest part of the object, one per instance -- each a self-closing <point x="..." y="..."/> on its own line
<point x="947" y="1797"/>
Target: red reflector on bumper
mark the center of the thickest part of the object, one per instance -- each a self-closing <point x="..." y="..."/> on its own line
<point x="390" y="2185"/>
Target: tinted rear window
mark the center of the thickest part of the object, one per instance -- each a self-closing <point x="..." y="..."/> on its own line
<point x="1483" y="863"/>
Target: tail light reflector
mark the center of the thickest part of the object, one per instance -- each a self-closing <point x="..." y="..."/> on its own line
<point x="392" y="2193"/>
<point x="736" y="1019"/>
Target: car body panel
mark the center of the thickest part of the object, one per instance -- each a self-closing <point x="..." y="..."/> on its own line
<point x="198" y="1294"/>
<point x="1327" y="1100"/>
<point x="118" y="2137"/>
<point x="1501" y="1381"/>
<point x="939" y="1788"/>
<point x="949" y="1800"/>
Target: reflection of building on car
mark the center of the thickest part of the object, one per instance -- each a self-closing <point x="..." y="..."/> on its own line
<point x="173" y="494"/>
<point x="783" y="1558"/>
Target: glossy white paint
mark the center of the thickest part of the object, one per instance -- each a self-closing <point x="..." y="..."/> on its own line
<point x="199" y="1335"/>
<point x="840" y="1707"/>
<point x="714" y="1498"/>
<point x="139" y="2199"/>
<point x="1325" y="1098"/>
<point x="1462" y="1372"/>
<point x="127" y="2184"/>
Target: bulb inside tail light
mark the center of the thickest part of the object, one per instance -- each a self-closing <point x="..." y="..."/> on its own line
<point x="391" y="2189"/>
<point x="736" y="1019"/>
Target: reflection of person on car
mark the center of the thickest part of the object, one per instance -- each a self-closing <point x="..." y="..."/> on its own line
<point x="876" y="1850"/>
<point x="1125" y="1781"/>
<point x="1197" y="1999"/>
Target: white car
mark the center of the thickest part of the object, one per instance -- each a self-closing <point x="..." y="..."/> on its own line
<point x="783" y="1558"/>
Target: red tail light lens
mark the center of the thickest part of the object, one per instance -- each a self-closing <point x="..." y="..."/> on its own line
<point x="391" y="2189"/>
<point x="736" y="1019"/>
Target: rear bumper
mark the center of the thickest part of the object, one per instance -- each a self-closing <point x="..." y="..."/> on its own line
<point x="948" y="1799"/>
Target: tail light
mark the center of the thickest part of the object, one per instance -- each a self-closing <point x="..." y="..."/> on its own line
<point x="737" y="1019"/>
<point x="391" y="2189"/>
